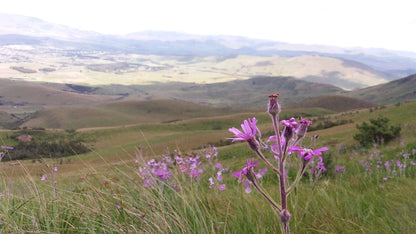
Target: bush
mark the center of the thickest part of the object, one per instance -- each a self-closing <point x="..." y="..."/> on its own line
<point x="377" y="131"/>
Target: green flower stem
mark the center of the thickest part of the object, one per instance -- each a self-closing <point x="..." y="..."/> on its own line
<point x="285" y="151"/>
<point x="265" y="195"/>
<point x="296" y="182"/>
<point x="267" y="162"/>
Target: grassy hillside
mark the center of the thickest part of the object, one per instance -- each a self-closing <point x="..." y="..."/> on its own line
<point x="121" y="113"/>
<point x="102" y="191"/>
<point x="248" y="93"/>
<point x="335" y="103"/>
<point x="395" y="91"/>
<point x="17" y="94"/>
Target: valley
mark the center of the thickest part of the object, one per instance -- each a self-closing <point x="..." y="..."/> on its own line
<point x="134" y="133"/>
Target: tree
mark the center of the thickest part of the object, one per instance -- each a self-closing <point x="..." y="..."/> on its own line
<point x="377" y="131"/>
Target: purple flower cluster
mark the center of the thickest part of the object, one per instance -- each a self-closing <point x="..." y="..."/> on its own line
<point x="190" y="165"/>
<point x="339" y="169"/>
<point x="244" y="177"/>
<point x="217" y="179"/>
<point x="170" y="164"/>
<point x="400" y="165"/>
<point x="154" y="170"/>
<point x="209" y="152"/>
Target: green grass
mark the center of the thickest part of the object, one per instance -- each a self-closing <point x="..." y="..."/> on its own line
<point x="91" y="187"/>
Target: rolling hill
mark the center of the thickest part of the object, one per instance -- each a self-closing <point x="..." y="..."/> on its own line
<point x="395" y="91"/>
<point x="122" y="113"/>
<point x="334" y="102"/>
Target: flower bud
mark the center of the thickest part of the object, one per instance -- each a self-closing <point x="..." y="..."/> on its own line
<point x="303" y="127"/>
<point x="273" y="107"/>
<point x="251" y="176"/>
<point x="285" y="216"/>
<point x="253" y="144"/>
<point x="288" y="131"/>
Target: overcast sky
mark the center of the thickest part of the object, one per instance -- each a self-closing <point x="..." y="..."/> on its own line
<point x="348" y="23"/>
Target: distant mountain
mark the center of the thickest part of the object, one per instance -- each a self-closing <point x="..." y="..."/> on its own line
<point x="22" y="30"/>
<point x="395" y="91"/>
<point x="31" y="26"/>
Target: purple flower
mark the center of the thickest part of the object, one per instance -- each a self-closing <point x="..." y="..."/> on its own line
<point x="221" y="187"/>
<point x="6" y="147"/>
<point x="339" y="168"/>
<point x="244" y="170"/>
<point x="196" y="173"/>
<point x="290" y="125"/>
<point x="307" y="154"/>
<point x="44" y="177"/>
<point x="247" y="185"/>
<point x="301" y="130"/>
<point x="219" y="175"/>
<point x="321" y="166"/>
<point x="211" y="181"/>
<point x="261" y="173"/>
<point x="249" y="127"/>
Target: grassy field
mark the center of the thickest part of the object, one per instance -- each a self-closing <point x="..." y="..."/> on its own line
<point x="102" y="191"/>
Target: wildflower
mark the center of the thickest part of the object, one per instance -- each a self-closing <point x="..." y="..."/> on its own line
<point x="44" y="177"/>
<point x="196" y="173"/>
<point x="210" y="152"/>
<point x="385" y="178"/>
<point x="6" y="147"/>
<point x="273" y="108"/>
<point x="250" y="175"/>
<point x="303" y="127"/>
<point x="339" y="169"/>
<point x="221" y="187"/>
<point x="250" y="130"/>
<point x="307" y="155"/>
<point x="290" y="125"/>
<point x="247" y="185"/>
<point x="219" y="175"/>
<point x="262" y="172"/>
<point x="211" y="181"/>
<point x="245" y="170"/>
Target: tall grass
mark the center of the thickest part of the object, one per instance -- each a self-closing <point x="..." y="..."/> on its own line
<point x="111" y="199"/>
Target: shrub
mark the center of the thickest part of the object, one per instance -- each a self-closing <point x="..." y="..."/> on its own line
<point x="377" y="131"/>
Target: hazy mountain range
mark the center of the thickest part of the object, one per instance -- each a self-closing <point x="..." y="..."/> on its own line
<point x="15" y="29"/>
